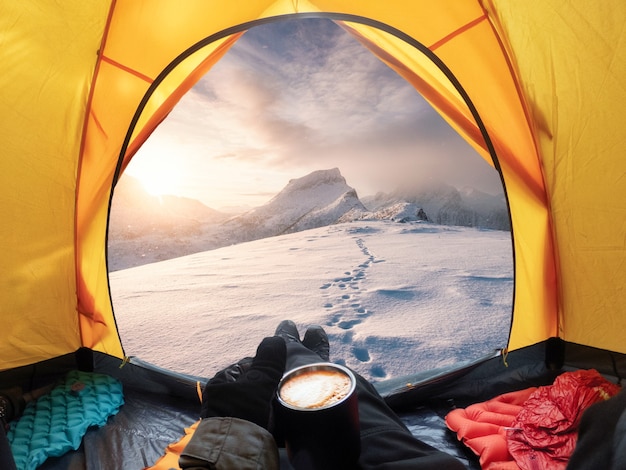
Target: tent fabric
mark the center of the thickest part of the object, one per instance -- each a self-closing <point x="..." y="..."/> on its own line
<point x="536" y="87"/>
<point x="571" y="63"/>
<point x="172" y="453"/>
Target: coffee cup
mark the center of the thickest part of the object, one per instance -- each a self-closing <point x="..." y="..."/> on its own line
<point x="318" y="415"/>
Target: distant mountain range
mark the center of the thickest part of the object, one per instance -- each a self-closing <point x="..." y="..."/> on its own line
<point x="445" y="205"/>
<point x="145" y="229"/>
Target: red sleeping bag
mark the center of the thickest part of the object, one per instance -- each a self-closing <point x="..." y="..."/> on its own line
<point x="531" y="429"/>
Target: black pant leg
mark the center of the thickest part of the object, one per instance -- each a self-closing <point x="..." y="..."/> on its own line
<point x="386" y="443"/>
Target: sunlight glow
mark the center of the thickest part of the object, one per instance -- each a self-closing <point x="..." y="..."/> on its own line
<point x="158" y="174"/>
<point x="158" y="183"/>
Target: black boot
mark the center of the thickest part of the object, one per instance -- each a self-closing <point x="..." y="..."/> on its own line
<point x="288" y="331"/>
<point x="316" y="340"/>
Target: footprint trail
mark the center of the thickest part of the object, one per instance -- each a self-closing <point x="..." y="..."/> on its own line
<point x="342" y="300"/>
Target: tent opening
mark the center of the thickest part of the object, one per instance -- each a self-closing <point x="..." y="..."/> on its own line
<point x="302" y="178"/>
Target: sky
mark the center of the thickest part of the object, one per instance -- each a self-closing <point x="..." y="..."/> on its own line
<point x="297" y="96"/>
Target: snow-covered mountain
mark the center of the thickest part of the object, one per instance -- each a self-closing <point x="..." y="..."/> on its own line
<point x="144" y="228"/>
<point x="444" y="204"/>
<point x="401" y="211"/>
<point x="318" y="199"/>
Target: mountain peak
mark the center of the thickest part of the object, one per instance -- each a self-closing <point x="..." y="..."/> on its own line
<point x="314" y="200"/>
<point x="316" y="178"/>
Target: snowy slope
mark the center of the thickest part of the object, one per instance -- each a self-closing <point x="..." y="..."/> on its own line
<point x="394" y="298"/>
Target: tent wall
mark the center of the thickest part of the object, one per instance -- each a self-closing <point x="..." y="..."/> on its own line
<point x="48" y="54"/>
<point x="545" y="79"/>
<point x="571" y="61"/>
<point x="453" y="29"/>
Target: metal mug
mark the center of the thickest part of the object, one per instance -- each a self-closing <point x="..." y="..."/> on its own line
<point x="327" y="435"/>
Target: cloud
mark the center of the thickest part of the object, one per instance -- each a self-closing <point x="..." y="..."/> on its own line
<point x="300" y="95"/>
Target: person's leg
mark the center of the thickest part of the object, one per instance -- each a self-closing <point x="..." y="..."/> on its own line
<point x="297" y="354"/>
<point x="316" y="340"/>
<point x="386" y="443"/>
<point x="311" y="454"/>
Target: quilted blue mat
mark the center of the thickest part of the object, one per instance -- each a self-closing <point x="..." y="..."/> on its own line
<point x="57" y="422"/>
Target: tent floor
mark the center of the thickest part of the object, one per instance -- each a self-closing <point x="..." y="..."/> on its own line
<point x="159" y="403"/>
<point x="138" y="435"/>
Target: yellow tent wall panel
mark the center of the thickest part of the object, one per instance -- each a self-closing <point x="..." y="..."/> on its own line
<point x="571" y="60"/>
<point x="48" y="54"/>
<point x="545" y="78"/>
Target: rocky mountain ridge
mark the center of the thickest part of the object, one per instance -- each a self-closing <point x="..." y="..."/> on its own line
<point x="145" y="229"/>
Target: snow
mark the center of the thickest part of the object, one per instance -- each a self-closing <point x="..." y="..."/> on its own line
<point x="394" y="298"/>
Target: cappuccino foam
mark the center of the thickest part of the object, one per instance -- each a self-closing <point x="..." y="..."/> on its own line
<point x="315" y="389"/>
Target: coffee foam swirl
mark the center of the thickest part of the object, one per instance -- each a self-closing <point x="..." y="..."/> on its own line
<point x="315" y="389"/>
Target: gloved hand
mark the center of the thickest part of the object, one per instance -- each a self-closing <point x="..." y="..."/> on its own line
<point x="249" y="396"/>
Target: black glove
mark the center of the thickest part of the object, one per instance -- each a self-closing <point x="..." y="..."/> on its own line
<point x="250" y="394"/>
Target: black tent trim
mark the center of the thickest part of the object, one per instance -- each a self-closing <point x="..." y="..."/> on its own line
<point x="335" y="17"/>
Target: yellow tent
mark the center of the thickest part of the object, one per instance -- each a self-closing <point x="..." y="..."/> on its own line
<point x="535" y="86"/>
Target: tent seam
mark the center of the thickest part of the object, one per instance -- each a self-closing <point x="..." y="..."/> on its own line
<point x="525" y="108"/>
<point x="77" y="270"/>
<point x="457" y="32"/>
<point x="125" y="68"/>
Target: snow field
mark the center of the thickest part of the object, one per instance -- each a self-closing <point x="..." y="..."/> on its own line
<point x="394" y="298"/>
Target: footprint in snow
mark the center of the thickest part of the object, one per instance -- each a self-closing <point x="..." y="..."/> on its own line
<point x="346" y="311"/>
<point x="378" y="371"/>
<point x="348" y="324"/>
<point x="362" y="354"/>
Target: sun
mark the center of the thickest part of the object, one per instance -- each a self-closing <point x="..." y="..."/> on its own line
<point x="158" y="182"/>
<point x="159" y="175"/>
